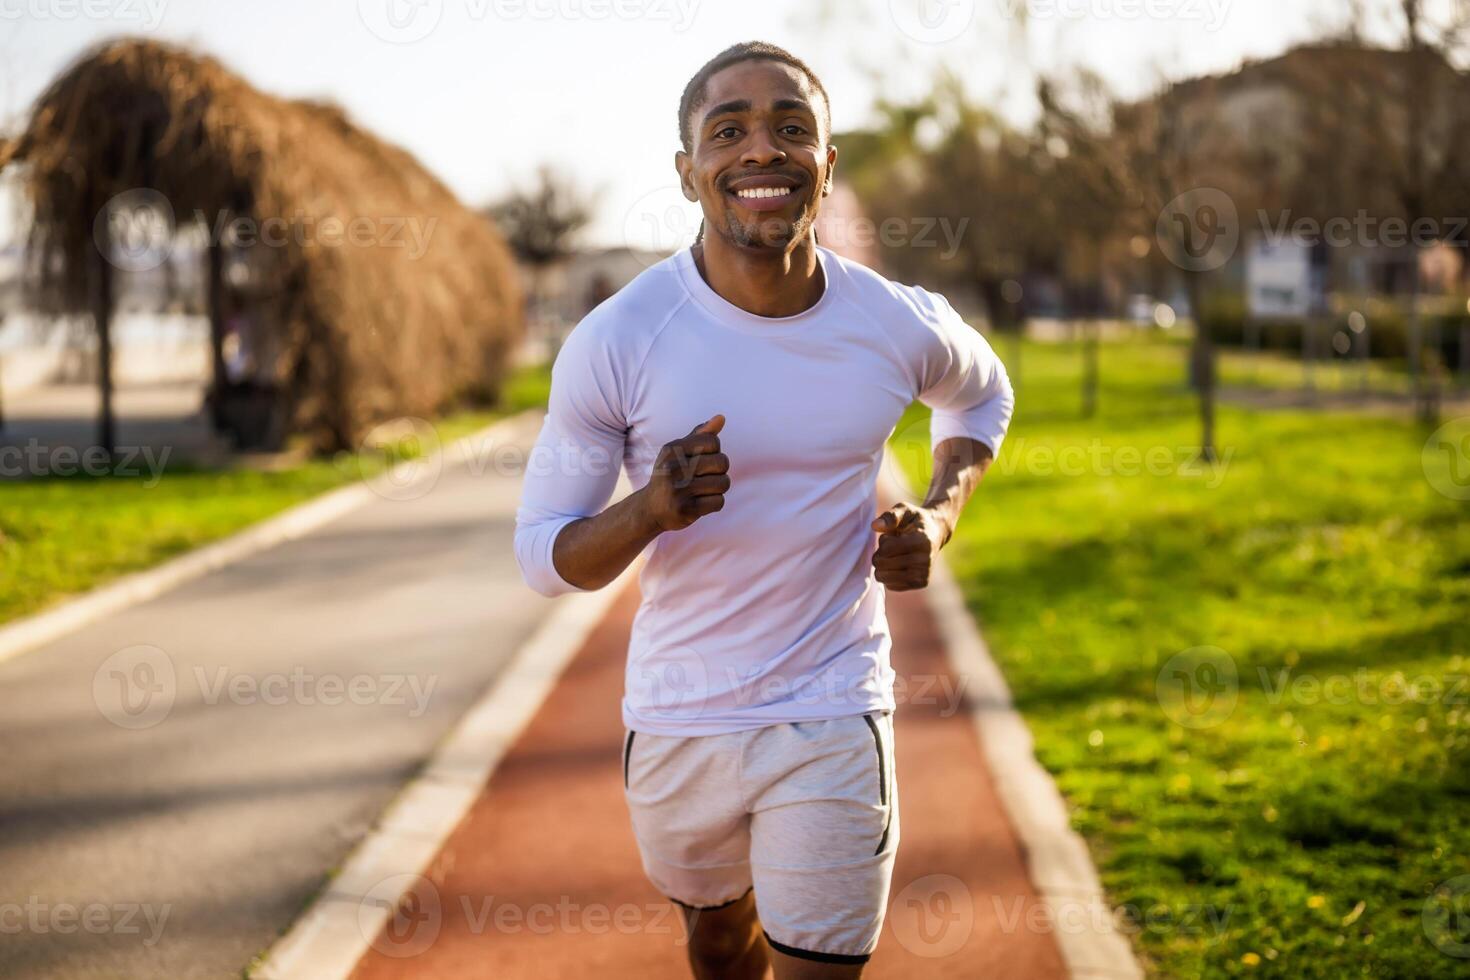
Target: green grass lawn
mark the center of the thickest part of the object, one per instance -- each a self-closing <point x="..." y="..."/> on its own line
<point x="62" y="536"/>
<point x="1297" y="819"/>
<point x="1238" y="368"/>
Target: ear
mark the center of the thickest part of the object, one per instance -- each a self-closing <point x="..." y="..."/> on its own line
<point x="831" y="168"/>
<point x="684" y="164"/>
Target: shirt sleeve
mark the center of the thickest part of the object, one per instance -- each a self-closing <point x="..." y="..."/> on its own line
<point x="964" y="382"/>
<point x="573" y="468"/>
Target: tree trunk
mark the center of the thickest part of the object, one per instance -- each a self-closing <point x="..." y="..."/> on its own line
<point x="2" y="374"/>
<point x="1365" y="352"/>
<point x="1090" y="343"/>
<point x="1464" y="360"/>
<point x="102" y="319"/>
<point x="1416" y="345"/>
<point x="1252" y="339"/>
<point x="1309" y="354"/>
<point x="218" y="378"/>
<point x="1003" y="321"/>
<point x="1202" y="368"/>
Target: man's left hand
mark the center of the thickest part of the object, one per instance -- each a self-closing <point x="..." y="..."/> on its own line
<point x="908" y="539"/>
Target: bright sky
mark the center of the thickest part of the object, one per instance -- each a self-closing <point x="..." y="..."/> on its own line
<point x="483" y="91"/>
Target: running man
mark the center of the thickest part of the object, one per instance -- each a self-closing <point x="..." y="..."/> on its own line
<point x="748" y="384"/>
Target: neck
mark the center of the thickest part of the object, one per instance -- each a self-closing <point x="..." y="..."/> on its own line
<point x="764" y="281"/>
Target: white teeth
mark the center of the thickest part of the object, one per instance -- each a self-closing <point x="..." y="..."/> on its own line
<point x="763" y="192"/>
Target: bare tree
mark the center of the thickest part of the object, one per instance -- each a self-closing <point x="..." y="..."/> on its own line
<point x="1396" y="121"/>
<point x="1163" y="168"/>
<point x="1089" y="187"/>
<point x="542" y="224"/>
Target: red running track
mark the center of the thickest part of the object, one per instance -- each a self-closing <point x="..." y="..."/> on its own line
<point x="542" y="878"/>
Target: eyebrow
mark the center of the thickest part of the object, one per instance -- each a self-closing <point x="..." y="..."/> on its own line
<point x="737" y="105"/>
<point x="801" y="104"/>
<point x="743" y="105"/>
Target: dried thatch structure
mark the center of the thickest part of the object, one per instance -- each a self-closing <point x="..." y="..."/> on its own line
<point x="381" y="294"/>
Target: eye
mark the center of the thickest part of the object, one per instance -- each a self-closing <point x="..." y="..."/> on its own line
<point x="792" y="129"/>
<point x="728" y="133"/>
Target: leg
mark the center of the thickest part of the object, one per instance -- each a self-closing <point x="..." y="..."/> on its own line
<point x="693" y="834"/>
<point x="824" y="832"/>
<point x="726" y="943"/>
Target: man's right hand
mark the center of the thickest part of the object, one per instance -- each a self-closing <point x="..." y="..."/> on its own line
<point x="689" y="480"/>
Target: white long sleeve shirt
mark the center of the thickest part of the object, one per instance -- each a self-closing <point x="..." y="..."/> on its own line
<point x="766" y="611"/>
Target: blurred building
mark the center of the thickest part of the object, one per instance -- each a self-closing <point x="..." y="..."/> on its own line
<point x="1341" y="146"/>
<point x="558" y="294"/>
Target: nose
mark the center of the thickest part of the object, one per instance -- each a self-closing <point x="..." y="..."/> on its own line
<point x="761" y="149"/>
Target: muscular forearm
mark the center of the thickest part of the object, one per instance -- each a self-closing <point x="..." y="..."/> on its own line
<point x="959" y="465"/>
<point x="688" y="481"/>
<point x="591" y="552"/>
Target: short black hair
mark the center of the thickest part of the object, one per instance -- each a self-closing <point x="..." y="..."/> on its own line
<point x="693" y="96"/>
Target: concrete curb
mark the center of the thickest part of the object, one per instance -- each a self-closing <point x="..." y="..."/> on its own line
<point x="327" y="942"/>
<point x="412" y="476"/>
<point x="1057" y="858"/>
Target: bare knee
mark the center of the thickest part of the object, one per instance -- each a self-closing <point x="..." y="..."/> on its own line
<point x="720" y="948"/>
<point x="726" y="943"/>
<point x="793" y="968"/>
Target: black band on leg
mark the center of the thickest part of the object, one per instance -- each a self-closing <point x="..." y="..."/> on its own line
<point x="711" y="908"/>
<point x="807" y="954"/>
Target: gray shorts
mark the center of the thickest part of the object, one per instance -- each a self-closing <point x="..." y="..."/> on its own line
<point x="806" y="813"/>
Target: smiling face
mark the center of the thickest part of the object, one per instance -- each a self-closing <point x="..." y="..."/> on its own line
<point x="759" y="163"/>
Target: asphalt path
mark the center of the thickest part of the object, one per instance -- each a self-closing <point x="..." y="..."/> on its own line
<point x="179" y="778"/>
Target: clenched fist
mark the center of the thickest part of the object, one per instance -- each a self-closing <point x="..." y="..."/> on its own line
<point x="908" y="539"/>
<point x="689" y="479"/>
